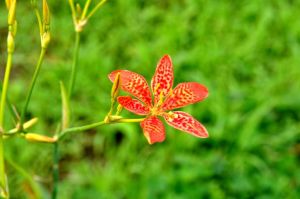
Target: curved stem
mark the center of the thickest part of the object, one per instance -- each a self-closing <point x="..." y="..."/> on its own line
<point x="11" y="108"/>
<point x="32" y="84"/>
<point x="74" y="64"/>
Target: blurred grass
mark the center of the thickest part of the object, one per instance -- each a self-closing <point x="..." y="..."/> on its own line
<point x="246" y="52"/>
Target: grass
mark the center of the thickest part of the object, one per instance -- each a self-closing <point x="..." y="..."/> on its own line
<point x="246" y="52"/>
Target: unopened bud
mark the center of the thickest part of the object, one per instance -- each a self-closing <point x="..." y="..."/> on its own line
<point x="30" y="123"/>
<point x="10" y="43"/>
<point x="8" y="2"/>
<point x="26" y="125"/>
<point x="11" y="12"/>
<point x="45" y="39"/>
<point x="39" y="138"/>
<point x="46" y="13"/>
<point x="116" y="87"/>
<point x="78" y="9"/>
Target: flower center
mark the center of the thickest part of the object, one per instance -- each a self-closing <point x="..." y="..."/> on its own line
<point x="156" y="110"/>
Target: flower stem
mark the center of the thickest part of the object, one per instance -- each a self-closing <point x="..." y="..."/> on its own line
<point x="32" y="84"/>
<point x="97" y="124"/>
<point x="11" y="108"/>
<point x="74" y="64"/>
<point x="55" y="170"/>
<point x="3" y="183"/>
<point x="96" y="8"/>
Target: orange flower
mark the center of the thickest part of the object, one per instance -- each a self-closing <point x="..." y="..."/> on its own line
<point x="165" y="100"/>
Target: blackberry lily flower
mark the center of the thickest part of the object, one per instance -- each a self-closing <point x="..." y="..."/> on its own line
<point x="165" y="100"/>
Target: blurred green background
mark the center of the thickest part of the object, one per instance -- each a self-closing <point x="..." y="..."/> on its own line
<point x="246" y="52"/>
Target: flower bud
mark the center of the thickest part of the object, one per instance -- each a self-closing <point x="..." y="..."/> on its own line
<point x="11" y="12"/>
<point x="78" y="9"/>
<point x="26" y="125"/>
<point x="10" y="43"/>
<point x="8" y="2"/>
<point x="46" y="13"/>
<point x="116" y="87"/>
<point x="45" y="39"/>
<point x="39" y="138"/>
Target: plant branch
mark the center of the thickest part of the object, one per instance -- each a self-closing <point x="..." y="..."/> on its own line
<point x="32" y="84"/>
<point x="96" y="8"/>
<point x="10" y="50"/>
<point x="55" y="168"/>
<point x="74" y="64"/>
<point x="11" y="108"/>
<point x="97" y="124"/>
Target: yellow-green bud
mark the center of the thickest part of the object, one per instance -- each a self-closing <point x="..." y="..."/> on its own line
<point x="116" y="87"/>
<point x="10" y="43"/>
<point x="45" y="39"/>
<point x="46" y="13"/>
<point x="78" y="9"/>
<point x="39" y="138"/>
<point x="12" y="12"/>
<point x="8" y="2"/>
<point x="26" y="125"/>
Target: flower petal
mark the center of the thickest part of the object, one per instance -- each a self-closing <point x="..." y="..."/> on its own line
<point x="133" y="105"/>
<point x="134" y="84"/>
<point x="153" y="129"/>
<point x="162" y="80"/>
<point x="185" y="94"/>
<point x="185" y="122"/>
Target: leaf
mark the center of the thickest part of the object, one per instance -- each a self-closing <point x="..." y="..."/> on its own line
<point x="65" y="111"/>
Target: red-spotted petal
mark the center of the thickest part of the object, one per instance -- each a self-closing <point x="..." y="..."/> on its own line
<point x="153" y="129"/>
<point x="185" y="122"/>
<point x="162" y="80"/>
<point x="134" y="84"/>
<point x="185" y="94"/>
<point x="133" y="105"/>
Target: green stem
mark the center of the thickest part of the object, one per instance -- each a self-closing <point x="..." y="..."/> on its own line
<point x="32" y="84"/>
<point x="11" y="108"/>
<point x="74" y="65"/>
<point x="55" y="170"/>
<point x="3" y="182"/>
<point x="97" y="124"/>
<point x="96" y="8"/>
<point x="85" y="9"/>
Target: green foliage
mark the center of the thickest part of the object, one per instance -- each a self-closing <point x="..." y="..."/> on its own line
<point x="246" y="52"/>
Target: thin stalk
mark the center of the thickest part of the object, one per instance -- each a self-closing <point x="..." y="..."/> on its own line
<point x="74" y="64"/>
<point x="85" y="9"/>
<point x="32" y="84"/>
<point x="71" y="2"/>
<point x="96" y="8"/>
<point x="3" y="182"/>
<point x="55" y="172"/>
<point x="97" y="124"/>
<point x="11" y="108"/>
